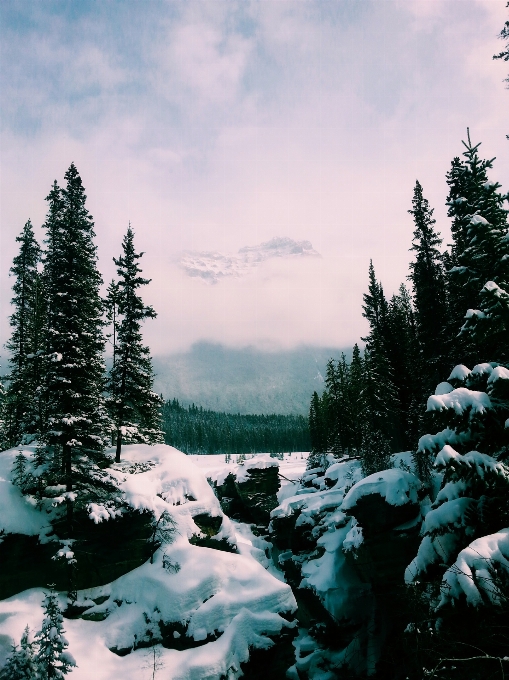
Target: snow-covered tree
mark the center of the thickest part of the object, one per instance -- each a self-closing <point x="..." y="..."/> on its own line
<point x="25" y="344"/>
<point x="134" y="406"/>
<point x="4" y="440"/>
<point x="21" y="664"/>
<point x="75" y="430"/>
<point x="52" y="657"/>
<point x="479" y="252"/>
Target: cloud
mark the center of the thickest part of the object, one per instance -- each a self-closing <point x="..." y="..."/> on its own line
<point x="212" y="125"/>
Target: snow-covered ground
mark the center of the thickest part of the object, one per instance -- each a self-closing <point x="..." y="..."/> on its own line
<point x="227" y="602"/>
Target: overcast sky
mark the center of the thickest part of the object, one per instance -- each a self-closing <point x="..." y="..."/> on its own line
<point x="212" y="125"/>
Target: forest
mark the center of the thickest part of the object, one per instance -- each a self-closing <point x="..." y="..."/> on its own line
<point x="198" y="430"/>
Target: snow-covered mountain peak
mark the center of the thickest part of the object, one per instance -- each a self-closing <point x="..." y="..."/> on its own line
<point x="213" y="266"/>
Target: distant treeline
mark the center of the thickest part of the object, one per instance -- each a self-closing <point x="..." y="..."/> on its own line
<point x="195" y="430"/>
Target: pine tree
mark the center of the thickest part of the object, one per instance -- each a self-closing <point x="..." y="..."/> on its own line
<point x="4" y="440"/>
<point x="23" y="394"/>
<point x="135" y="408"/>
<point x="429" y="293"/>
<point x="504" y="35"/>
<point x="20" y="664"/>
<point x="356" y="399"/>
<point x="52" y="658"/>
<point x="381" y="403"/>
<point x="111" y="306"/>
<point x="480" y="250"/>
<point x="74" y="433"/>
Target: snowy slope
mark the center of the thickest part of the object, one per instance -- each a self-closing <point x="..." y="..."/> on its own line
<point x="222" y="602"/>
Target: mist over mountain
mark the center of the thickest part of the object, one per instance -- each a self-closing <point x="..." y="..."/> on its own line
<point x="213" y="266"/>
<point x="246" y="380"/>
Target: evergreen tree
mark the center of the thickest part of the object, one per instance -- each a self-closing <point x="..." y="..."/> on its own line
<point x="429" y="293"/>
<point x="23" y="394"/>
<point x="356" y="399"/>
<point x="504" y="35"/>
<point x="480" y="250"/>
<point x="111" y="306"/>
<point x="4" y="440"/>
<point x="20" y="664"/>
<point x="403" y="354"/>
<point x="52" y="658"/>
<point x="381" y="403"/>
<point x="317" y="425"/>
<point x="135" y="408"/>
<point x="74" y="432"/>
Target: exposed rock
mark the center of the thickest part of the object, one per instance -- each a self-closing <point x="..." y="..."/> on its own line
<point x="250" y="496"/>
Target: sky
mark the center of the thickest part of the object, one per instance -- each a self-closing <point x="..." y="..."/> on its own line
<point x="212" y="125"/>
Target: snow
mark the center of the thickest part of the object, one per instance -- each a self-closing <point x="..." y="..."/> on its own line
<point x="18" y="513"/>
<point x="260" y="462"/>
<point x="228" y="601"/>
<point x="460" y="400"/>
<point x="396" y="486"/>
<point x="471" y="574"/>
<point x="499" y="373"/>
<point x="443" y="388"/>
<point x="473" y="459"/>
<point x="432" y="442"/>
<point x="483" y="369"/>
<point x="459" y="372"/>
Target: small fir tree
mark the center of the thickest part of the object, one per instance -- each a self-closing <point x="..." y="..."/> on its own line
<point x="21" y="664"/>
<point x="135" y="408"/>
<point x="52" y="658"/>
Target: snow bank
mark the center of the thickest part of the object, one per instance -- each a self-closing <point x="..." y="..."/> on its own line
<point x="18" y="513"/>
<point x="397" y="487"/>
<point x="224" y="601"/>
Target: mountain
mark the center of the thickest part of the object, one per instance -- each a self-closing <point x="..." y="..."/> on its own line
<point x="244" y="380"/>
<point x="212" y="267"/>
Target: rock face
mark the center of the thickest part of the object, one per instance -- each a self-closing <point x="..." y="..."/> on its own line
<point x="250" y="492"/>
<point x="387" y="513"/>
<point x="103" y="551"/>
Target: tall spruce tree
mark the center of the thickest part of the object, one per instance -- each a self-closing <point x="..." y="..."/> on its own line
<point x="428" y="279"/>
<point x="23" y="405"/>
<point x="135" y="408"/>
<point x="479" y="252"/>
<point x="381" y="417"/>
<point x="74" y="433"/>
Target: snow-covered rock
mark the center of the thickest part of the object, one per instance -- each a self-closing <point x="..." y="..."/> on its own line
<point x="207" y="607"/>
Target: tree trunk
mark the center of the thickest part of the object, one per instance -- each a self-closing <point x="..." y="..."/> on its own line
<point x="119" y="446"/>
<point x="66" y="455"/>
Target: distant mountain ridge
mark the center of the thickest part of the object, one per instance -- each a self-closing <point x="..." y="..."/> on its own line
<point x="213" y="266"/>
<point x="244" y="380"/>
